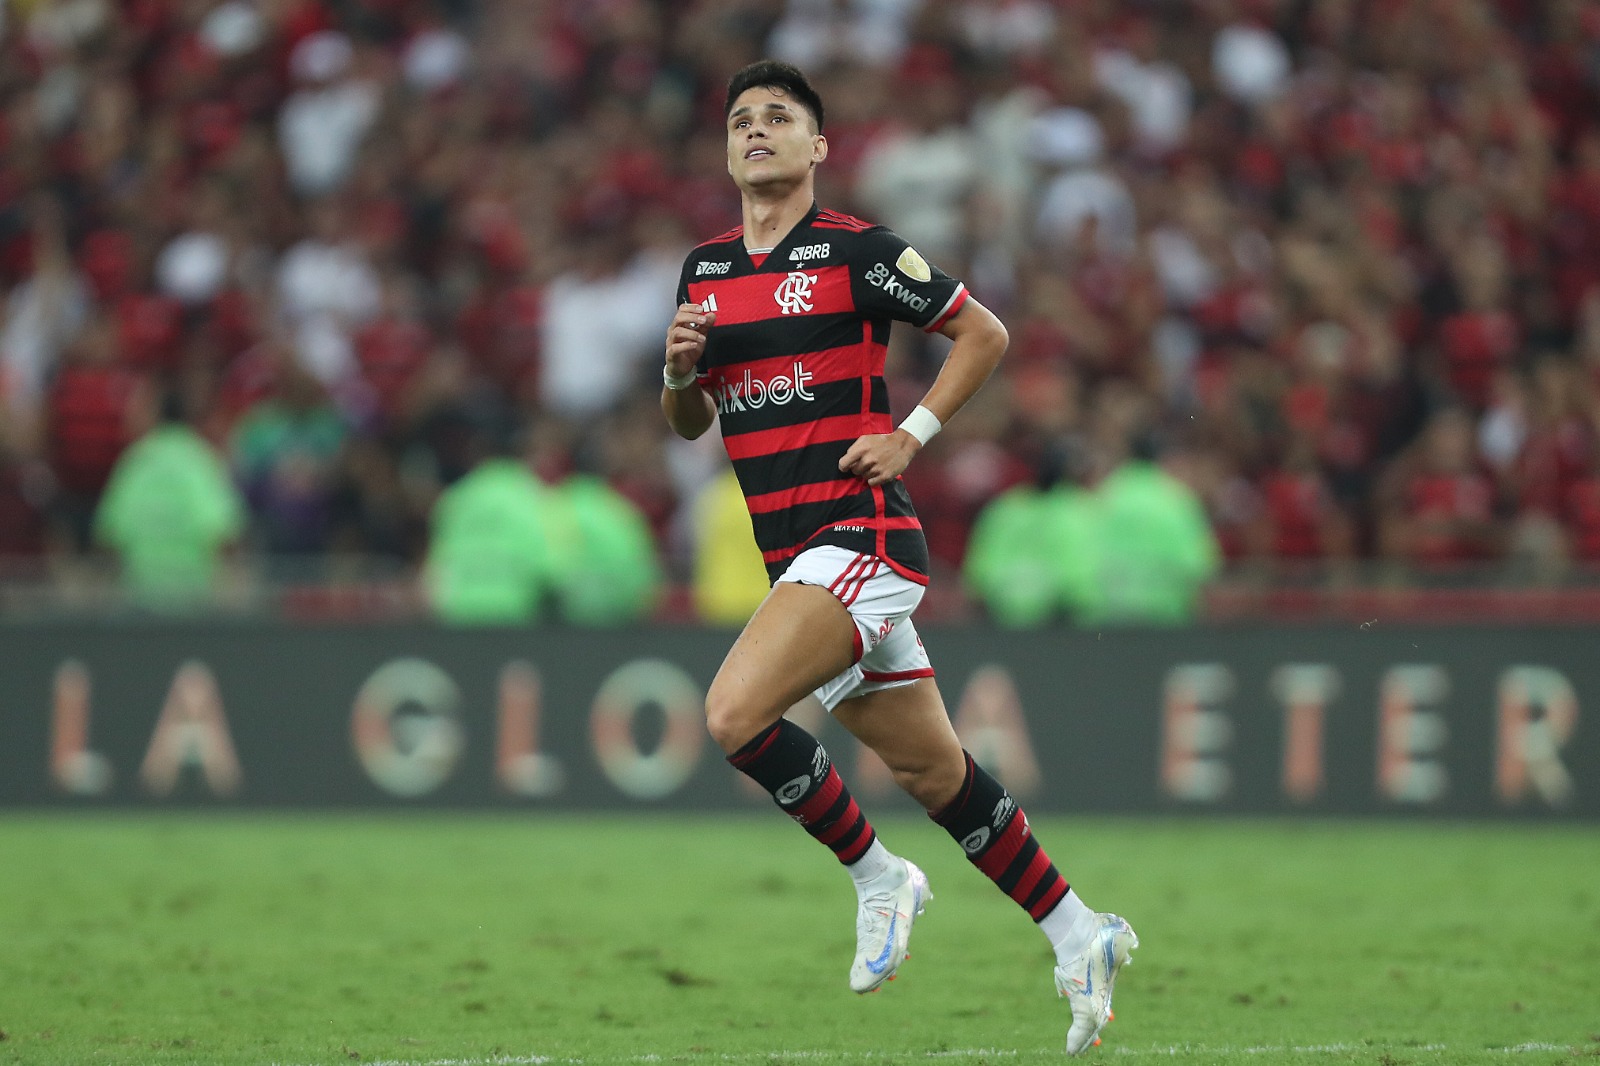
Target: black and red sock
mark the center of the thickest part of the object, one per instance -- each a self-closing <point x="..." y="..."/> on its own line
<point x="993" y="831"/>
<point x="790" y="764"/>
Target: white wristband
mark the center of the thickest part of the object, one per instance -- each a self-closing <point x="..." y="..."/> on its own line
<point x="922" y="424"/>
<point x="673" y="382"/>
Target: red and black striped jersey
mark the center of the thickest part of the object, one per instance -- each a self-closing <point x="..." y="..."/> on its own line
<point x="795" y="366"/>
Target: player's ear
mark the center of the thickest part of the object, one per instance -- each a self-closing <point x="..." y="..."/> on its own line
<point x="819" y="149"/>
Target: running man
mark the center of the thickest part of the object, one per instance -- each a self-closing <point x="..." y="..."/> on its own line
<point x="780" y="333"/>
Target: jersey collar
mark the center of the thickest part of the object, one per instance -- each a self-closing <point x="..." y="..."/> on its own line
<point x="778" y="258"/>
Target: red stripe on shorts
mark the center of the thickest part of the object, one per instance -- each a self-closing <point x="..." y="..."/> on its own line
<point x="848" y="596"/>
<point x="846" y="575"/>
<point x="897" y="675"/>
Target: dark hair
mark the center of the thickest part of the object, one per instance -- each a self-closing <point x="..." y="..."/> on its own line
<point x="775" y="74"/>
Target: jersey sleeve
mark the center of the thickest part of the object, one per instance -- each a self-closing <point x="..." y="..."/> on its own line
<point x="891" y="278"/>
<point x="683" y="282"/>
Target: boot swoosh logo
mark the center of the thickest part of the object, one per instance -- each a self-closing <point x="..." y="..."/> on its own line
<point x="878" y="964"/>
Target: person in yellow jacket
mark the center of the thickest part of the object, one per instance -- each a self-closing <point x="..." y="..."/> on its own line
<point x="730" y="580"/>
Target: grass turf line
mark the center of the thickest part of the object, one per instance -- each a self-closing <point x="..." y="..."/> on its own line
<point x="313" y="940"/>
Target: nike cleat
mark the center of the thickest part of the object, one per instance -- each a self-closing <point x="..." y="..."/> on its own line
<point x="883" y="929"/>
<point x="1086" y="981"/>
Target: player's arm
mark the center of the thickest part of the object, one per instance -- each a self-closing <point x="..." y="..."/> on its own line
<point x="980" y="341"/>
<point x="689" y="408"/>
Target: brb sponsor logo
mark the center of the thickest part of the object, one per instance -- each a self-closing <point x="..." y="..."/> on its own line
<point x="883" y="278"/>
<point x="751" y="393"/>
<point x="794" y="292"/>
<point x="702" y="269"/>
<point x="810" y="251"/>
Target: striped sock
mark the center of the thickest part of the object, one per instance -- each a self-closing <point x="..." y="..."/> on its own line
<point x="993" y="831"/>
<point x="790" y="764"/>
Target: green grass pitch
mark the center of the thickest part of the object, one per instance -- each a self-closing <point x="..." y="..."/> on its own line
<point x="480" y="939"/>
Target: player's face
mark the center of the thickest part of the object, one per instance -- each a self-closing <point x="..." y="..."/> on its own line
<point x="771" y="140"/>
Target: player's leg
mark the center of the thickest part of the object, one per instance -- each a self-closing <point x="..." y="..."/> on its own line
<point x="908" y="727"/>
<point x="801" y="637"/>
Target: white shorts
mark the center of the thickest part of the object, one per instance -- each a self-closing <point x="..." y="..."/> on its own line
<point x="889" y="653"/>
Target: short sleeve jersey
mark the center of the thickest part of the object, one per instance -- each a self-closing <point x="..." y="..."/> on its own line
<point x="794" y="364"/>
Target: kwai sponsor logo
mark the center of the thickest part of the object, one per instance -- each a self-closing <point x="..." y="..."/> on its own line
<point x="882" y="277"/>
<point x="750" y="393"/>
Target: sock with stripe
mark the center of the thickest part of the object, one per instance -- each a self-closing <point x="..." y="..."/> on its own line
<point x="796" y="771"/>
<point x="994" y="832"/>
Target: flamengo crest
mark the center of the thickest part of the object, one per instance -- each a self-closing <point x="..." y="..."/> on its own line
<point x="794" y="292"/>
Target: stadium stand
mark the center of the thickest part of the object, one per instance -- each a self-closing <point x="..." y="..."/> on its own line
<point x="1340" y="258"/>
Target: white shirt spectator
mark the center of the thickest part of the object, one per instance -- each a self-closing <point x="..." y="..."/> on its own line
<point x="193" y="267"/>
<point x="1070" y="142"/>
<point x="1010" y="173"/>
<point x="1250" y="63"/>
<point x="233" y="28"/>
<point x="599" y="333"/>
<point x="435" y="59"/>
<point x="321" y="126"/>
<point x="42" y="316"/>
<point x="815" y="33"/>
<point x="326" y="291"/>
<point x="1158" y="95"/>
<point x="1187" y="276"/>
<point x="316" y="277"/>
<point x="917" y="184"/>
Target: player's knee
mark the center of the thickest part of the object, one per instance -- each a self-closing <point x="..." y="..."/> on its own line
<point x="933" y="784"/>
<point x="731" y="721"/>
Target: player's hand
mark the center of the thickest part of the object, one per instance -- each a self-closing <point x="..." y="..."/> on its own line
<point x="878" y="458"/>
<point x="686" y="337"/>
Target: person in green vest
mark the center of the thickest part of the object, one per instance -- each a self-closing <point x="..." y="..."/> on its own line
<point x="495" y="538"/>
<point x="1155" y="546"/>
<point x="169" y="511"/>
<point x="611" y="574"/>
<point x="1030" y="558"/>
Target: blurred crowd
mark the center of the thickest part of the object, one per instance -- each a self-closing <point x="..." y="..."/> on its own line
<point x="1334" y="264"/>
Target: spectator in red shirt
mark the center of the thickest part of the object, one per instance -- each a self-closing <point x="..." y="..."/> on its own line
<point x="1438" y="509"/>
<point x="1483" y="336"/>
<point x="87" y="426"/>
<point x="392" y="348"/>
<point x="1303" y="521"/>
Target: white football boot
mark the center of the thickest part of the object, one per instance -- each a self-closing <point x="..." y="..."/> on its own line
<point x="883" y="926"/>
<point x="1087" y="979"/>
